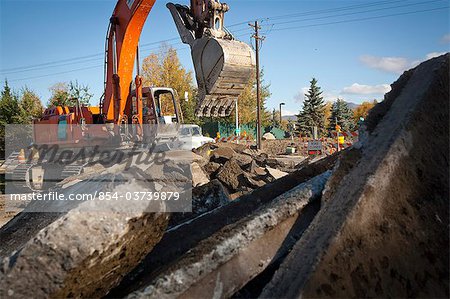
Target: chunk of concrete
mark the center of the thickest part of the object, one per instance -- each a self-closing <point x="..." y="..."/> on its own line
<point x="252" y="182"/>
<point x="85" y="252"/>
<point x="255" y="169"/>
<point x="275" y="173"/>
<point x="223" y="154"/>
<point x="198" y="176"/>
<point x="200" y="160"/>
<point x="188" y="235"/>
<point x="214" y="268"/>
<point x="229" y="175"/>
<point x="211" y="168"/>
<point x="242" y="160"/>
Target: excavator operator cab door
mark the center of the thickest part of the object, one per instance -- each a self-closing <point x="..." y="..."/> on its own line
<point x="165" y="105"/>
<point x="160" y="112"/>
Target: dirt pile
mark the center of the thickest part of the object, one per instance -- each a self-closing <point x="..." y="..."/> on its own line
<point x="383" y="229"/>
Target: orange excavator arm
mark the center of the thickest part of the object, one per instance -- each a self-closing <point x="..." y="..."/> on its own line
<point x="121" y="48"/>
<point x="223" y="66"/>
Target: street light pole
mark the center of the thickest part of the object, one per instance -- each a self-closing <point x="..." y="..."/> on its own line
<point x="281" y="104"/>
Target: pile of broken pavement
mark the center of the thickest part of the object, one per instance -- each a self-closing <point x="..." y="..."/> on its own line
<point x="239" y="169"/>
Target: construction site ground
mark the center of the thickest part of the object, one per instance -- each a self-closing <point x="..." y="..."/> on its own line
<point x="369" y="221"/>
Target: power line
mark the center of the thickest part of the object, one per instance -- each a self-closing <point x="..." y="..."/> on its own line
<point x="321" y="11"/>
<point x="358" y="12"/>
<point x="46" y="65"/>
<point x="52" y="66"/>
<point x="360" y="19"/>
<point x="53" y="74"/>
<point x="30" y="67"/>
<point x="91" y="67"/>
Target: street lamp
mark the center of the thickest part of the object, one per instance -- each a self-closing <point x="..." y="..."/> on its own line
<point x="281" y="104"/>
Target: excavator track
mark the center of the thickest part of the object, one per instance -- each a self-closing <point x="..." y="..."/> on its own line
<point x="71" y="170"/>
<point x="20" y="177"/>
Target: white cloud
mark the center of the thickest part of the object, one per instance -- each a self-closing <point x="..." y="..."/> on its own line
<point x="305" y="90"/>
<point x="356" y="88"/>
<point x="434" y="54"/>
<point x="286" y="112"/>
<point x="330" y="96"/>
<point x="387" y="64"/>
<point x="445" y="39"/>
<point x="299" y="97"/>
<point x="395" y="65"/>
<point x="327" y="96"/>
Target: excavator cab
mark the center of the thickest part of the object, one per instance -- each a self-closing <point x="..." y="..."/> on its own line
<point x="159" y="105"/>
<point x="223" y="66"/>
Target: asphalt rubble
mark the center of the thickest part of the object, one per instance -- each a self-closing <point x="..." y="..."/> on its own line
<point x="370" y="221"/>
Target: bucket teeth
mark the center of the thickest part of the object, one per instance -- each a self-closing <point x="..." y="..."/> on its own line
<point x="216" y="107"/>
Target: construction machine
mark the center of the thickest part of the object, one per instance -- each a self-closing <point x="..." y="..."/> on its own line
<point x="223" y="66"/>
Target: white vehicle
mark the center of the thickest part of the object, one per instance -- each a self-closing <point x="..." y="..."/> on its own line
<point x="191" y="136"/>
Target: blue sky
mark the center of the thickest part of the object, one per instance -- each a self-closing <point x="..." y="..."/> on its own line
<point x="354" y="48"/>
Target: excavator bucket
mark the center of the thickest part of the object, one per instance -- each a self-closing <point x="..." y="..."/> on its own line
<point x="223" y="66"/>
<point x="223" y="69"/>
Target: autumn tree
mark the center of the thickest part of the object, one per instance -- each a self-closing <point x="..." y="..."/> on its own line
<point x="247" y="103"/>
<point x="341" y="113"/>
<point x="276" y="117"/>
<point x="30" y="105"/>
<point x="66" y="94"/>
<point x="327" y="110"/>
<point x="60" y="95"/>
<point x="362" y="110"/>
<point x="165" y="70"/>
<point x="313" y="112"/>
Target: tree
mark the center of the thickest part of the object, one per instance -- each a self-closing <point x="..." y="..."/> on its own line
<point x="275" y="117"/>
<point x="247" y="103"/>
<point x="362" y="110"/>
<point x="313" y="112"/>
<point x="343" y="114"/>
<point x="165" y="70"/>
<point x="8" y="104"/>
<point x="64" y="94"/>
<point x="60" y="95"/>
<point x="9" y="107"/>
<point x="80" y="92"/>
<point x="328" y="108"/>
<point x="30" y="105"/>
<point x="17" y="108"/>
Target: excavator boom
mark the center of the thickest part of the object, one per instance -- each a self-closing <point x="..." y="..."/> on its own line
<point x="223" y="66"/>
<point x="122" y="41"/>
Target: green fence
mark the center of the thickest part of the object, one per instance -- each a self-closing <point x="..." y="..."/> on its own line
<point x="227" y="129"/>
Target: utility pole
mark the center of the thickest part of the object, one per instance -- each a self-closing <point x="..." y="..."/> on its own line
<point x="258" y="101"/>
<point x="238" y="130"/>
<point x="338" y="129"/>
